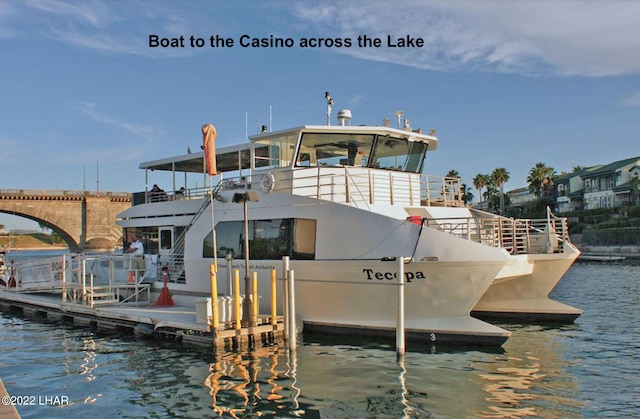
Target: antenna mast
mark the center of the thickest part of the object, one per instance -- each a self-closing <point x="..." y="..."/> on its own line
<point x="399" y="115"/>
<point x="329" y="104"/>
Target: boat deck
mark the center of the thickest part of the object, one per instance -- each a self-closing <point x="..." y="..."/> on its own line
<point x="177" y="322"/>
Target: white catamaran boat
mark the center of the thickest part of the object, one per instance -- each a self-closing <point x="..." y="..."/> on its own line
<point x="343" y="203"/>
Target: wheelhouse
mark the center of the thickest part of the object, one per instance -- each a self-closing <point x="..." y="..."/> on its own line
<point x="318" y="146"/>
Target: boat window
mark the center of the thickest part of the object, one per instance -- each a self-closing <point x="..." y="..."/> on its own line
<point x="148" y="236"/>
<point x="268" y="239"/>
<point x="267" y="156"/>
<point x="165" y="239"/>
<point x="274" y="151"/>
<point x="339" y="149"/>
<point x="233" y="161"/>
<point x="398" y="154"/>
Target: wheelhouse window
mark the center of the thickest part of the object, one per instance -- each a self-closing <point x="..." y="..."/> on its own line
<point x="398" y="154"/>
<point x="326" y="149"/>
<point x="268" y="239"/>
<point x="364" y="150"/>
<point x="274" y="151"/>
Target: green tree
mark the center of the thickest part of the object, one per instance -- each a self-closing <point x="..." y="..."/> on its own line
<point x="56" y="238"/>
<point x="498" y="177"/>
<point x="467" y="196"/>
<point x="635" y="191"/>
<point x="479" y="182"/>
<point x="491" y="196"/>
<point x="452" y="173"/>
<point x="540" y="178"/>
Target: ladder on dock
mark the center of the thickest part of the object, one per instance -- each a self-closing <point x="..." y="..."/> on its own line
<point x="105" y="298"/>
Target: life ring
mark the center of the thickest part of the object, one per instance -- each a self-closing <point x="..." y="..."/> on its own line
<point x="267" y="182"/>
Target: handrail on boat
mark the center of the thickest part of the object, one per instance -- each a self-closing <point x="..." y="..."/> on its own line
<point x="517" y="236"/>
<point x="362" y="187"/>
<point x="358" y="186"/>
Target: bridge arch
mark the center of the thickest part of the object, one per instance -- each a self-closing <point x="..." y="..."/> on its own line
<point x="66" y="237"/>
<point x="85" y="220"/>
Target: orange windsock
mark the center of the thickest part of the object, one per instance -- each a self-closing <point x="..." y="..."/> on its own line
<point x="209" y="135"/>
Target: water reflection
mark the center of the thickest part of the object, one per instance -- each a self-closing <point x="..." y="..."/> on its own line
<point x="261" y="382"/>
<point x="528" y="379"/>
<point x="132" y="378"/>
<point x="89" y="359"/>
<point x="531" y="379"/>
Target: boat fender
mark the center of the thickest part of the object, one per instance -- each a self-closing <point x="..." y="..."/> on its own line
<point x="267" y="182"/>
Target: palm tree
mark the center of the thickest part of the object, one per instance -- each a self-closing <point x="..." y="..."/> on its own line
<point x="499" y="176"/>
<point x="576" y="169"/>
<point x="480" y="181"/>
<point x="490" y="196"/>
<point x="467" y="195"/>
<point x="539" y="177"/>
<point x="453" y="186"/>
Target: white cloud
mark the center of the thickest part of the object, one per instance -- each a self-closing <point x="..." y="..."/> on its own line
<point x="105" y="27"/>
<point x="8" y="12"/>
<point x="633" y="100"/>
<point x="355" y="100"/>
<point x="573" y="37"/>
<point x="565" y="37"/>
<point x="92" y="12"/>
<point x="91" y="110"/>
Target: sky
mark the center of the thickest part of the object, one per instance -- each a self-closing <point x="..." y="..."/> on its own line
<point x="85" y="96"/>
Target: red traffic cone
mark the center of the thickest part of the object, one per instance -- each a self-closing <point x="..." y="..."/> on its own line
<point x="164" y="299"/>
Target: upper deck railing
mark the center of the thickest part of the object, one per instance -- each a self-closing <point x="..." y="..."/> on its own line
<point x="364" y="187"/>
<point x="357" y="186"/>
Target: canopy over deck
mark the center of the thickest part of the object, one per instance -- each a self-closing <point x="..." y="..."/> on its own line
<point x="194" y="162"/>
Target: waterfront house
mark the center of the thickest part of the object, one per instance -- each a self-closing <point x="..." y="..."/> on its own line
<point x="570" y="189"/>
<point x="611" y="185"/>
<point x="601" y="186"/>
<point x="521" y="198"/>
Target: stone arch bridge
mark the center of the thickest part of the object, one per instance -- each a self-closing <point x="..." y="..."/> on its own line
<point x="85" y="220"/>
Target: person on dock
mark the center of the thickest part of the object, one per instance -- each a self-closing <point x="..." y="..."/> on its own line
<point x="137" y="250"/>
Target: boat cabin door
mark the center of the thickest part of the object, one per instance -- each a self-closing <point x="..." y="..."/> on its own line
<point x="165" y="235"/>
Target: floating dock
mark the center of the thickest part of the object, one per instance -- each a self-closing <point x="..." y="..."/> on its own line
<point x="176" y="322"/>
<point x="7" y="410"/>
<point x="601" y="257"/>
<point x="73" y="288"/>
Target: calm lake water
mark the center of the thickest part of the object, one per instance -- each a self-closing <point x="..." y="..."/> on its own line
<point x="588" y="369"/>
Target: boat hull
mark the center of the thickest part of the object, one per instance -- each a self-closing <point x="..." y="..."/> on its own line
<point x="521" y="291"/>
<point x="438" y="298"/>
<point x="337" y="296"/>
